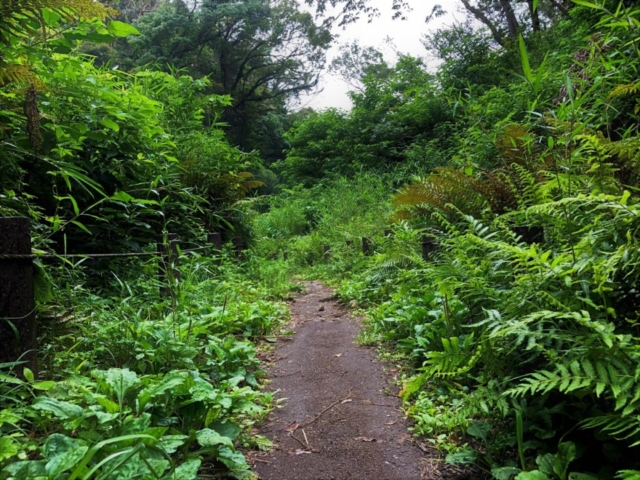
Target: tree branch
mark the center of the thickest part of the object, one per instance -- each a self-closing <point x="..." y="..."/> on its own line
<point x="479" y="14"/>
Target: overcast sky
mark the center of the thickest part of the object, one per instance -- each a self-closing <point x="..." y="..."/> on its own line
<point x="406" y="36"/>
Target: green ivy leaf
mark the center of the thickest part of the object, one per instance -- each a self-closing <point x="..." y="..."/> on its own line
<point x="121" y="29"/>
<point x="170" y="443"/>
<point x="110" y="124"/>
<point x="211" y="438"/>
<point x="26" y="470"/>
<point x="504" y="473"/>
<point x="28" y="375"/>
<point x="479" y="430"/>
<point x="233" y="460"/>
<point x="63" y="453"/>
<point x="133" y="424"/>
<point x="62" y="410"/>
<point x="566" y="454"/>
<point x="109" y="405"/>
<point x="533" y="475"/>
<point x="50" y="17"/>
<point x="120" y="380"/>
<point x="187" y="471"/>
<point x="463" y="457"/>
<point x="7" y="416"/>
<point x="227" y="428"/>
<point x="45" y="385"/>
<point x="8" y="448"/>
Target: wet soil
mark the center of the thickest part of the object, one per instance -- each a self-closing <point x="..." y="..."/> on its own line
<point x="339" y="416"/>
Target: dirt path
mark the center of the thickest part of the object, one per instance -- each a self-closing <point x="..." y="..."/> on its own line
<point x="341" y="417"/>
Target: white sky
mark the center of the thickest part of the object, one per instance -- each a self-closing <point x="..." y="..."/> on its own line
<point x="406" y="36"/>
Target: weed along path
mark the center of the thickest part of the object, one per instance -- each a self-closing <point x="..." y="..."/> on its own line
<point x="340" y="416"/>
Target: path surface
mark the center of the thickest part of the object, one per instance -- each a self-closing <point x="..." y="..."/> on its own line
<point x="362" y="435"/>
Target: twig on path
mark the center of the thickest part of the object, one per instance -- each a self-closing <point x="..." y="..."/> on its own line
<point x="307" y="446"/>
<point x="323" y="411"/>
<point x="366" y="402"/>
<point x="258" y="460"/>
<point x="422" y="447"/>
<point x="298" y="440"/>
<point x="305" y="436"/>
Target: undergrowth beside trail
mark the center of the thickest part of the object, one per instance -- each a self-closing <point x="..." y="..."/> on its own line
<point x="520" y="329"/>
<point x="498" y="198"/>
<point x="134" y="384"/>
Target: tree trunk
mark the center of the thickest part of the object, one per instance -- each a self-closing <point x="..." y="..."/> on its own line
<point x="479" y="14"/>
<point x="560" y="6"/>
<point x="512" y="21"/>
<point x="18" y="339"/>
<point x="535" y="18"/>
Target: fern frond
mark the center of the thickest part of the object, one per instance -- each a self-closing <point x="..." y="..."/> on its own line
<point x="454" y="360"/>
<point x="445" y="190"/>
<point x="247" y="186"/>
<point x="620" y="428"/>
<point x="16" y="15"/>
<point x="628" y="475"/>
<point x="625" y="90"/>
<point x="390" y="267"/>
<point x="18" y="74"/>
<point x="596" y="375"/>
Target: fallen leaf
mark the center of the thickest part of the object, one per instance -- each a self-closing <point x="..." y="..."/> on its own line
<point x="346" y="400"/>
<point x="338" y="355"/>
<point x="292" y="428"/>
<point x="391" y="423"/>
<point x="366" y="439"/>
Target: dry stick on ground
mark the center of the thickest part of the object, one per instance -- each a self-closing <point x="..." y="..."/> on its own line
<point x="365" y="402"/>
<point x="323" y="411"/>
<point x="298" y="440"/>
<point x="312" y="421"/>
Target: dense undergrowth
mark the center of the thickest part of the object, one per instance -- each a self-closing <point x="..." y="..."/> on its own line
<point x="519" y="334"/>
<point x="517" y="160"/>
<point x="135" y="384"/>
<point x="137" y="378"/>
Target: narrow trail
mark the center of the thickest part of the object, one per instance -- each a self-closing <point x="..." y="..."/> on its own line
<point x="341" y="416"/>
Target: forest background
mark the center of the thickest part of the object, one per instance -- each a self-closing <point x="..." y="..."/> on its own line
<point x="517" y="160"/>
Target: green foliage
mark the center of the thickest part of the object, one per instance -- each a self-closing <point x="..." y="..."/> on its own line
<point x="239" y="47"/>
<point x="157" y="391"/>
<point x="519" y="334"/>
<point x="109" y="158"/>
<point x="134" y="385"/>
<point x="395" y="115"/>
